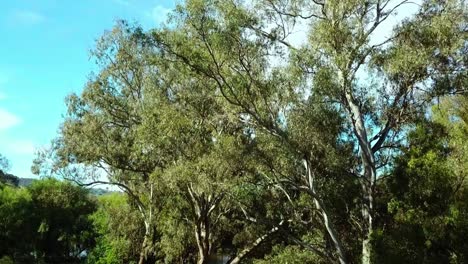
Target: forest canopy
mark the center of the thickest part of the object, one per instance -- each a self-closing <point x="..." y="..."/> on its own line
<point x="232" y="144"/>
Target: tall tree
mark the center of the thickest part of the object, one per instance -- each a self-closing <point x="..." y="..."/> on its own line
<point x="156" y="133"/>
<point x="376" y="85"/>
<point x="101" y="139"/>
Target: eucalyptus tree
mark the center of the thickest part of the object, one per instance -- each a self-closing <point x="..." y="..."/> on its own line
<point x="373" y="86"/>
<point x="160" y="135"/>
<point x="100" y="140"/>
<point x="212" y="159"/>
<point x="452" y="114"/>
<point x="214" y="162"/>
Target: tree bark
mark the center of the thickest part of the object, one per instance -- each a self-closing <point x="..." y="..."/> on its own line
<point x="252" y="246"/>
<point x="202" y="235"/>
<point x="202" y="208"/>
<point x="325" y="215"/>
<point x="369" y="174"/>
<point x="144" y="247"/>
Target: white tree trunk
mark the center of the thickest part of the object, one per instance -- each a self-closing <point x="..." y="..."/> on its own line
<point x="145" y="244"/>
<point x="252" y="246"/>
<point x="369" y="175"/>
<point x="325" y="216"/>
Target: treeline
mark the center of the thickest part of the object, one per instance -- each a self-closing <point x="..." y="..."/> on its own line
<point x="422" y="215"/>
<point x="52" y="221"/>
<point x="232" y="141"/>
<point x="46" y="222"/>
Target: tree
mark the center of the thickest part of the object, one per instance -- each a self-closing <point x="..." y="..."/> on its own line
<point x="61" y="219"/>
<point x="452" y="114"/>
<point x="219" y="121"/>
<point x="4" y="163"/>
<point x="377" y="87"/>
<point x="6" y="178"/>
<point x="425" y="204"/>
<point x="162" y="136"/>
<point x="119" y="231"/>
<point x="52" y="219"/>
<point x="16" y="214"/>
<point x="102" y="139"/>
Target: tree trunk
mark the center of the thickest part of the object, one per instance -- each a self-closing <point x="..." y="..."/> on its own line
<point x="143" y="253"/>
<point x="202" y="235"/>
<point x="325" y="215"/>
<point x="202" y="207"/>
<point x="367" y="214"/>
<point x="369" y="174"/>
<point x="331" y="232"/>
<point x="366" y="250"/>
<point x="252" y="246"/>
<point x="145" y="245"/>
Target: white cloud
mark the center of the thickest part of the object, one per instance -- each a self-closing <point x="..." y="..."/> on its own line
<point x="27" y="17"/>
<point x="8" y="120"/>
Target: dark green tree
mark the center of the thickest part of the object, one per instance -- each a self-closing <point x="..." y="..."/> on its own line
<point x="425" y="207"/>
<point x="52" y="220"/>
<point x="61" y="219"/>
<point x="5" y="177"/>
<point x="16" y="221"/>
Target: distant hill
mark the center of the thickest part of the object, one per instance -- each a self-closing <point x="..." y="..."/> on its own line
<point x="25" y="182"/>
<point x="98" y="191"/>
<point x="9" y="179"/>
<point x="13" y="180"/>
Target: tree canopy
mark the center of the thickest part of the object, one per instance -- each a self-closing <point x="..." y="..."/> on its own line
<point x="230" y="140"/>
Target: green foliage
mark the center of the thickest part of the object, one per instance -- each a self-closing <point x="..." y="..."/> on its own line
<point x="4" y="163"/>
<point x="289" y="255"/>
<point x="227" y="138"/>
<point x="16" y="214"/>
<point x="118" y="231"/>
<point x="427" y="204"/>
<point x="6" y="260"/>
<point x="6" y="178"/>
<point x="62" y="214"/>
<point x="52" y="219"/>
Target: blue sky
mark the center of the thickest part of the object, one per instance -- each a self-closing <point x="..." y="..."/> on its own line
<point x="44" y="56"/>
